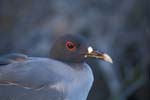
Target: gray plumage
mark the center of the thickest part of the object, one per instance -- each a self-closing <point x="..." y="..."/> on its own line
<point x="45" y="79"/>
<point x="63" y="76"/>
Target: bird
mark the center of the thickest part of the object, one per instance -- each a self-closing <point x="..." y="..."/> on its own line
<point x="64" y="75"/>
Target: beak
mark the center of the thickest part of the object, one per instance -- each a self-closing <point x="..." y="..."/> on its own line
<point x="95" y="54"/>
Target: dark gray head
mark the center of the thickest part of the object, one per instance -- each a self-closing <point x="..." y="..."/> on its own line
<point x="74" y="48"/>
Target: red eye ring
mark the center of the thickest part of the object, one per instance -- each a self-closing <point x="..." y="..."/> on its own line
<point x="70" y="46"/>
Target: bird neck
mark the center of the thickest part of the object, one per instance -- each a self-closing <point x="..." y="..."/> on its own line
<point x="76" y="66"/>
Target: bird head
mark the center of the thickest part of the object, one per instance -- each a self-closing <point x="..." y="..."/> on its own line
<point x="75" y="49"/>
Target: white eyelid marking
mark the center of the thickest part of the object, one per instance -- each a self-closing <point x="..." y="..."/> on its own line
<point x="90" y="49"/>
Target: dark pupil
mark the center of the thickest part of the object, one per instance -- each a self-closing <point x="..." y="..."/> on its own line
<point x="70" y="46"/>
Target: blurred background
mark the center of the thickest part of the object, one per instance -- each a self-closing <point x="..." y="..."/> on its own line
<point x="120" y="28"/>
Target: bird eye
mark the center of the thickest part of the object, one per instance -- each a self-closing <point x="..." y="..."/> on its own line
<point x="70" y="46"/>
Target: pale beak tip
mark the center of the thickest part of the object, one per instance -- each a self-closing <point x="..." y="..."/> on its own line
<point x="108" y="58"/>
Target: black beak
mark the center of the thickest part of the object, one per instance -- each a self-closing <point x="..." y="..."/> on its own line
<point x="98" y="55"/>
